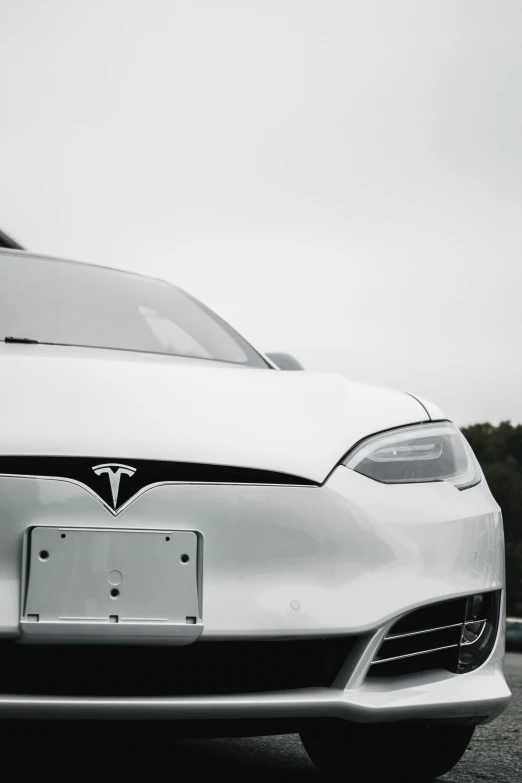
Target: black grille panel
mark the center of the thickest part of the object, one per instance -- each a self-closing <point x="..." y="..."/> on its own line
<point x="201" y="668"/>
<point x="145" y="473"/>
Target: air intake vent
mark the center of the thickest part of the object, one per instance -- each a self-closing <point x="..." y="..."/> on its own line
<point x="454" y="635"/>
<point x="202" y="668"/>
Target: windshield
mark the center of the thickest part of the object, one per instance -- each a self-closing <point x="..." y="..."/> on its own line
<point x="76" y="304"/>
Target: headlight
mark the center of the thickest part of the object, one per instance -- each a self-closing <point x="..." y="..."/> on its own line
<point x="425" y="452"/>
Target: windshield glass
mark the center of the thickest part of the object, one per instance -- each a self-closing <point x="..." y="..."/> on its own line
<point x="76" y="304"/>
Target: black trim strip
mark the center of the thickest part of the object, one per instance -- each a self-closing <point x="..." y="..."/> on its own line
<point x="142" y="475"/>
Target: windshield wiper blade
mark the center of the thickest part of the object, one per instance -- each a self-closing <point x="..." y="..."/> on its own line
<point x="23" y="340"/>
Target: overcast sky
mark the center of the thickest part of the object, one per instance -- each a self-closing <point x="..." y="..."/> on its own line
<point x="340" y="180"/>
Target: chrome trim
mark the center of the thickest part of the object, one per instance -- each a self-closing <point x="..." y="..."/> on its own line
<point x="472" y="622"/>
<point x="431" y="630"/>
<point x="418" y="633"/>
<point x="142" y="491"/>
<point x="412" y="655"/>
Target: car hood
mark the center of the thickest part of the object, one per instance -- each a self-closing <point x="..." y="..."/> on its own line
<point x="61" y="401"/>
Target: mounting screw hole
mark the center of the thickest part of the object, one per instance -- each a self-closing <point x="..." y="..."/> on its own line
<point x="115" y="592"/>
<point x="44" y="554"/>
<point x="184" y="558"/>
<point x="167" y="538"/>
<point x="63" y="535"/>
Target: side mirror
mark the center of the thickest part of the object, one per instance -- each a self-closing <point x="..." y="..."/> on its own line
<point x="285" y="361"/>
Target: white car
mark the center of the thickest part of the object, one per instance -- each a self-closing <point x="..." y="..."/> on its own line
<point x="188" y="533"/>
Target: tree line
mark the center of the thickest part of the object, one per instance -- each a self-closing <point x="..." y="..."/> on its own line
<point x="499" y="451"/>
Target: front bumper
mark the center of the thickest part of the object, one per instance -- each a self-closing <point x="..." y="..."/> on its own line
<point x="475" y="698"/>
<point x="344" y="559"/>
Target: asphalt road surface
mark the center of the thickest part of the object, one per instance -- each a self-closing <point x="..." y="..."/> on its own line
<point x="495" y="754"/>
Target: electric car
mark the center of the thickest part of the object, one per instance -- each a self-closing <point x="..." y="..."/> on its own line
<point x="189" y="533"/>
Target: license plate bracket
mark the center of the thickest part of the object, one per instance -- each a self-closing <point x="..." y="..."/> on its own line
<point x="108" y="585"/>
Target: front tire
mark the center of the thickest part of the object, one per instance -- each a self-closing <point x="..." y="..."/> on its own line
<point x="398" y="753"/>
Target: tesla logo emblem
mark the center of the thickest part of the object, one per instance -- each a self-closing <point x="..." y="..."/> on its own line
<point x="115" y="472"/>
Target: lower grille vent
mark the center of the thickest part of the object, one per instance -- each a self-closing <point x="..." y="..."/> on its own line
<point x="455" y="635"/>
<point x="202" y="668"/>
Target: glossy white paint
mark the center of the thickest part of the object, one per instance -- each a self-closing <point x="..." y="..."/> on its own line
<point x="354" y="553"/>
<point x="82" y="402"/>
<point x="479" y="696"/>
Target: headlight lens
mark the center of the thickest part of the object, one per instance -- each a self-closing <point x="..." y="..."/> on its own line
<point x="425" y="452"/>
